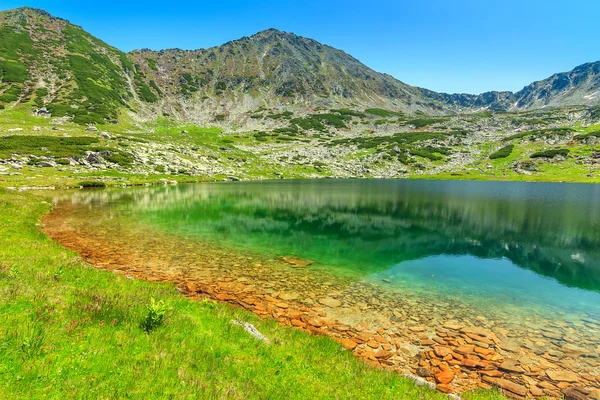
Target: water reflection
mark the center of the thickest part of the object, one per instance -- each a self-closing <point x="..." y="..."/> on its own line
<point x="369" y="226"/>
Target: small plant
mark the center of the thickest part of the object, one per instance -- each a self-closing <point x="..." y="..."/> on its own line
<point x="157" y="310"/>
<point x="208" y="303"/>
<point x="32" y="344"/>
<point x="58" y="273"/>
<point x="13" y="273"/>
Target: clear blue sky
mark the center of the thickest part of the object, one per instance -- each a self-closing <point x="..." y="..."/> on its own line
<point x="445" y="45"/>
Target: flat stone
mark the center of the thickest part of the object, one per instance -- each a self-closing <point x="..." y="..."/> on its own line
<point x="349" y="344"/>
<point x="297" y="262"/>
<point x="511" y="365"/>
<point x="536" y="391"/>
<point x="494" y="373"/>
<point x="441" y="351"/>
<point x="575" y="393"/>
<point x="329" y="302"/>
<point x="382" y="354"/>
<point x="446" y="376"/>
<point x="511" y="386"/>
<point x="289" y="296"/>
<point x="423" y="372"/>
<point x="562" y="376"/>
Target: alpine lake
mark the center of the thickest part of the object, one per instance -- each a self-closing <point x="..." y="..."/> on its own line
<point x="464" y="284"/>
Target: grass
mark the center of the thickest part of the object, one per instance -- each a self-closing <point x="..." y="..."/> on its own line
<point x="68" y="330"/>
<point x="45" y="145"/>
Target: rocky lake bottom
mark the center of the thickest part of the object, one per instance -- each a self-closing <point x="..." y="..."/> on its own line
<point x="455" y="317"/>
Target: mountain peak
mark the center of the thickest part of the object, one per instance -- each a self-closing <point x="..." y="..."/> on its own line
<point x="25" y="12"/>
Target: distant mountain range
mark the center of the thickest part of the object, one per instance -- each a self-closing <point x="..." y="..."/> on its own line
<point x="47" y="62"/>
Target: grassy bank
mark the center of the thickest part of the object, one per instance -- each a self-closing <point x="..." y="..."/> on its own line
<point x="68" y="330"/>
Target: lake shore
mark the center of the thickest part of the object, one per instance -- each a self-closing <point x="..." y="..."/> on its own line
<point x="386" y="333"/>
<point x="75" y="330"/>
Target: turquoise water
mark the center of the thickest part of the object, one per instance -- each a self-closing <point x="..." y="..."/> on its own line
<point x="520" y="243"/>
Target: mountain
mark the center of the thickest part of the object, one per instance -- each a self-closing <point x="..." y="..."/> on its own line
<point x="48" y="62"/>
<point x="576" y="87"/>
<point x="275" y="67"/>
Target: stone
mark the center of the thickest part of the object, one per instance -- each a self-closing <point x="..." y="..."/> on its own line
<point x="562" y="376"/>
<point x="441" y="351"/>
<point x="289" y="296"/>
<point x="510" y="386"/>
<point x="444" y="377"/>
<point x="423" y="372"/>
<point x="444" y="388"/>
<point x="494" y="373"/>
<point x="298" y="323"/>
<point x="467" y="362"/>
<point x="329" y="302"/>
<point x="536" y="391"/>
<point x="575" y="393"/>
<point x="348" y="344"/>
<point x="297" y="262"/>
<point x="382" y="354"/>
<point x="455" y="325"/>
<point x="511" y="365"/>
<point x="372" y="344"/>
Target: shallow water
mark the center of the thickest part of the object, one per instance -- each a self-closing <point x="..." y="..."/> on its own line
<point x="520" y="257"/>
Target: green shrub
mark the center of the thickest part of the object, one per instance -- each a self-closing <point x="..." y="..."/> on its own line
<point x="550" y="153"/>
<point x="539" y="133"/>
<point x="503" y="152"/>
<point x="92" y="184"/>
<point x="145" y="93"/>
<point x="289" y="130"/>
<point x="347" y="111"/>
<point x="152" y="64"/>
<point x="587" y="135"/>
<point x="63" y="161"/>
<point x="380" y="112"/>
<point x="124" y="160"/>
<point x="426" y="153"/>
<point x="13" y="71"/>
<point x="284" y="115"/>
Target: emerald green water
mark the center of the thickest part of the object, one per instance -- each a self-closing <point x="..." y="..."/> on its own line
<point x="513" y="243"/>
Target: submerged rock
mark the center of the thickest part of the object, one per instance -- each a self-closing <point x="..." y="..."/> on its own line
<point x="297" y="262"/>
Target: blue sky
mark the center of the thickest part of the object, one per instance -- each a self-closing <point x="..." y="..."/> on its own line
<point x="444" y="45"/>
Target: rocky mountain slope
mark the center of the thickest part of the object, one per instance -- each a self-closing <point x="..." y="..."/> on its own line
<point x="48" y="62"/>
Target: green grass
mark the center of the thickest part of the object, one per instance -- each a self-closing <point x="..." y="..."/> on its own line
<point x="45" y="145"/>
<point x="68" y="330"/>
